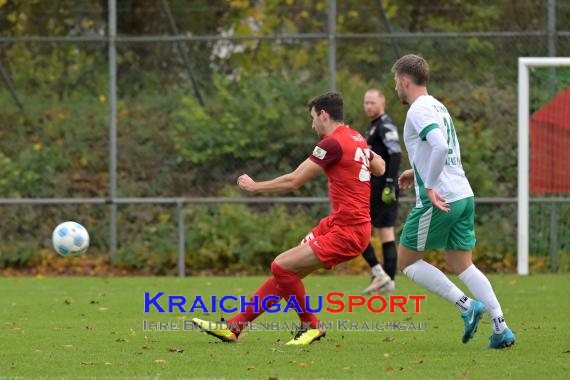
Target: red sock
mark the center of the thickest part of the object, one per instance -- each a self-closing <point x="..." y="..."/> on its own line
<point x="290" y="284"/>
<point x="268" y="288"/>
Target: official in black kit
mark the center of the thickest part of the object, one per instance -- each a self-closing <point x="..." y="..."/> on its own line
<point x="383" y="138"/>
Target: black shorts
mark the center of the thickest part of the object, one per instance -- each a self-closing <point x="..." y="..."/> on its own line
<point x="382" y="215"/>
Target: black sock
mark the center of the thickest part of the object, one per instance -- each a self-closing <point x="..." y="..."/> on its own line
<point x="390" y="258"/>
<point x="370" y="256"/>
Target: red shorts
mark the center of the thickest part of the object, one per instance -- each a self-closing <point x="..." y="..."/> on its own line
<point x="334" y="244"/>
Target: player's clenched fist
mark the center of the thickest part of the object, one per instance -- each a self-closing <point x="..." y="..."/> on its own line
<point x="246" y="183"/>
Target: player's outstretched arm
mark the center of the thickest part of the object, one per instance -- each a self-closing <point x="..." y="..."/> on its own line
<point x="288" y="182"/>
<point x="377" y="165"/>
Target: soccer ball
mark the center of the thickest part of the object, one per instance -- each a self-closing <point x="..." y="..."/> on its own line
<point x="70" y="239"/>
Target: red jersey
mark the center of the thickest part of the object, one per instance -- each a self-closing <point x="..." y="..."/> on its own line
<point x="345" y="157"/>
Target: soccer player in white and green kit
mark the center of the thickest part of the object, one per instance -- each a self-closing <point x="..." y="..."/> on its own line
<point x="444" y="216"/>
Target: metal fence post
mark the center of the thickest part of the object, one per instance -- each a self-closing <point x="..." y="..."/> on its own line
<point x="553" y="83"/>
<point x="552" y="28"/>
<point x="332" y="44"/>
<point x="181" y="240"/>
<point x="551" y="41"/>
<point x="113" y="128"/>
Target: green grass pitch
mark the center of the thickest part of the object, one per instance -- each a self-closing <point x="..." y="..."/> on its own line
<point x="92" y="328"/>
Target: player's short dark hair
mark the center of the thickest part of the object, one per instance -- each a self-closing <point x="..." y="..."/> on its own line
<point x="331" y="103"/>
<point x="414" y="66"/>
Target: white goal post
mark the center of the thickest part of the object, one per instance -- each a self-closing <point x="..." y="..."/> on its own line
<point x="523" y="154"/>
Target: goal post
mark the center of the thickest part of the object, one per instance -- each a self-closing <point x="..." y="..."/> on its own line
<point x="525" y="63"/>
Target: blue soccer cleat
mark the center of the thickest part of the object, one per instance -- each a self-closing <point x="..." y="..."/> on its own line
<point x="504" y="340"/>
<point x="471" y="318"/>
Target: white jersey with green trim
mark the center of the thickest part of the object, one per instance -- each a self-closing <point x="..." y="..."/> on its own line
<point x="425" y="114"/>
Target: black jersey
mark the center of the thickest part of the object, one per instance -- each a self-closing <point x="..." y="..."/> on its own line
<point x="382" y="137"/>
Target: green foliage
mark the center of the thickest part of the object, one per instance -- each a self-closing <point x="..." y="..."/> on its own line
<point x="53" y="150"/>
<point x="152" y="250"/>
<point x="17" y="253"/>
<point x="68" y="71"/>
<point x="34" y="173"/>
<point x="258" y="125"/>
<point x="223" y="238"/>
<point x="546" y="83"/>
<point x="236" y="237"/>
<point x="485" y="121"/>
<point x="249" y="119"/>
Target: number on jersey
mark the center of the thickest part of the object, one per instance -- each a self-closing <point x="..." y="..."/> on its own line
<point x="363" y="155"/>
<point x="451" y="135"/>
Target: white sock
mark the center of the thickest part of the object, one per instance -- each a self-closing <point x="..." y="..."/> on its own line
<point x="434" y="280"/>
<point x="377" y="270"/>
<point x="481" y="288"/>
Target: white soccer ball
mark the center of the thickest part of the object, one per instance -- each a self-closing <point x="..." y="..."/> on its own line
<point x="70" y="239"/>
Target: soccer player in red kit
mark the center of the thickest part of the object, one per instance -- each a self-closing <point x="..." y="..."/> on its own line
<point x="343" y="155"/>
